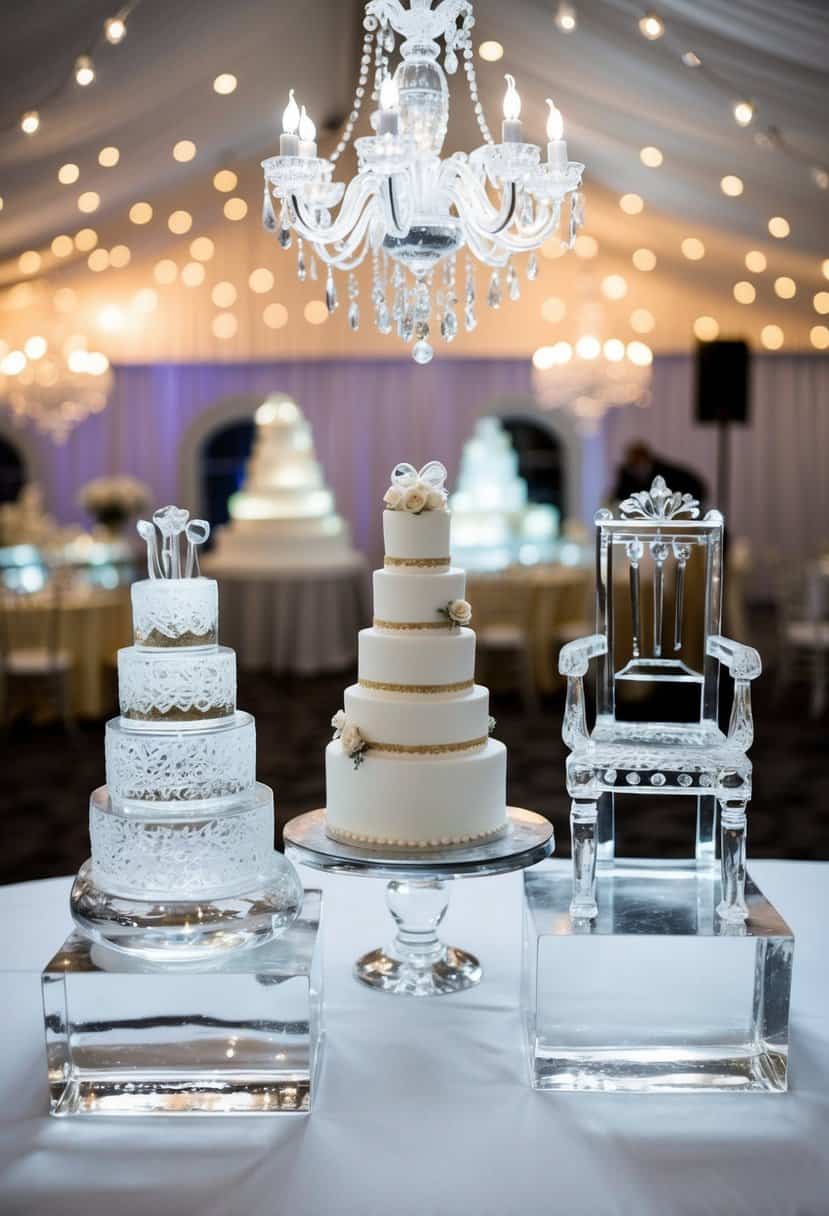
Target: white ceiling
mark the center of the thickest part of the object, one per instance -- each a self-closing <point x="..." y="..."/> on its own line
<point x="617" y="91"/>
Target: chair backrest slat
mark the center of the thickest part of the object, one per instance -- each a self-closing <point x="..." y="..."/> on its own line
<point x="659" y="533"/>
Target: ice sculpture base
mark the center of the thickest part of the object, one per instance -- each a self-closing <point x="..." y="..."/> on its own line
<point x="657" y="994"/>
<point x="240" y="1036"/>
<point x="159" y="929"/>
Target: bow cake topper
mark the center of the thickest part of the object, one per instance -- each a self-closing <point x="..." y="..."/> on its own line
<point x="171" y="522"/>
<point x="415" y="491"/>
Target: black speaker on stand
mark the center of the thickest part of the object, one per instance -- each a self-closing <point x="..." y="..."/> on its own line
<point x="722" y="398"/>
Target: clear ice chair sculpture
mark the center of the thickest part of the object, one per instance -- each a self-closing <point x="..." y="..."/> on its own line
<point x="695" y="758"/>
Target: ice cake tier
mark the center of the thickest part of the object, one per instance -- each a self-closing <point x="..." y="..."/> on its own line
<point x="169" y="767"/>
<point x="296" y="503"/>
<point x="189" y="855"/>
<point x="180" y="685"/>
<point x="416" y="663"/>
<point x="416" y="541"/>
<point x="173" y="612"/>
<point x="405" y="599"/>
<point x="435" y="725"/>
<point x="419" y="801"/>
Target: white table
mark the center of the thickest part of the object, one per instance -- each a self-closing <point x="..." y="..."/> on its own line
<point x="424" y="1106"/>
<point x="302" y="619"/>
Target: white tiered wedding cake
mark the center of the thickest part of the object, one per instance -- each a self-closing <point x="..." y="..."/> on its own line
<point x="412" y="763"/>
<point x="284" y="515"/>
<point x="183" y="859"/>
<point x="494" y="524"/>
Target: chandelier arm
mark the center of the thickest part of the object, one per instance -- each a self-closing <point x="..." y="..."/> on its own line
<point x="465" y="190"/>
<point x="345" y="258"/>
<point x="525" y="244"/>
<point x="484" y="249"/>
<point x="360" y="191"/>
<point x="391" y="205"/>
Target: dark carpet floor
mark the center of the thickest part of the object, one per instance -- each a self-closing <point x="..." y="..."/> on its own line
<point x="47" y="776"/>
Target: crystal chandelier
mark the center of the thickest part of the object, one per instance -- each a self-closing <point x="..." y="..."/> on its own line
<point x="407" y="208"/>
<point x="54" y="383"/>
<point x="592" y="377"/>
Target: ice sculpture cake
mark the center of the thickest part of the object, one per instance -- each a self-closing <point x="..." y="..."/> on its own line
<point x="494" y="524"/>
<point x="412" y="763"/>
<point x="181" y="817"/>
<point x="284" y="515"/>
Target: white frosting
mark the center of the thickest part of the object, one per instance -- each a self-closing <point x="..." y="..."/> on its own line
<point x="383" y="717"/>
<point x="416" y="658"/>
<point x="421" y="801"/>
<point x="172" y="608"/>
<point x="180" y="683"/>
<point x="416" y="597"/>
<point x="410" y="536"/>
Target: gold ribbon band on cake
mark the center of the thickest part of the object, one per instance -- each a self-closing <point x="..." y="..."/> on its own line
<point x="423" y="563"/>
<point x="426" y="749"/>
<point x="446" y="626"/>
<point x="382" y="686"/>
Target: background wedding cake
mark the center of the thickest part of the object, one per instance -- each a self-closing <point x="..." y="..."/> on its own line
<point x="493" y="523"/>
<point x="411" y="763"/>
<point x="284" y="515"/>
<point x="182" y="835"/>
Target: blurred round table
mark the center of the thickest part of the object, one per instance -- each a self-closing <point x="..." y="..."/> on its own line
<point x="90" y="623"/>
<point x="303" y="620"/>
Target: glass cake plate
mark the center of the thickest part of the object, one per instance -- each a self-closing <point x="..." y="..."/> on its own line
<point x="418" y="962"/>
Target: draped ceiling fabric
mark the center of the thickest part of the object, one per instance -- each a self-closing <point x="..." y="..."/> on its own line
<point x="617" y="91"/>
<point x="367" y="415"/>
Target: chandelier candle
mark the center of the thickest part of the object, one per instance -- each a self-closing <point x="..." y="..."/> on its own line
<point x="511" y="126"/>
<point x="307" y="136"/>
<point x="289" y="140"/>
<point x="389" y="117"/>
<point x="408" y="208"/>
<point x="556" y="144"/>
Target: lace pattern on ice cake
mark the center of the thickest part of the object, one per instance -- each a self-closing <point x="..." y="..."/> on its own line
<point x="177" y="687"/>
<point x="157" y="766"/>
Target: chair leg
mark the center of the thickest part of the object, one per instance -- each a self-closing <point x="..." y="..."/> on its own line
<point x="583" y="821"/>
<point x="606" y="832"/>
<point x="732" y="906"/>
<point x="706" y="846"/>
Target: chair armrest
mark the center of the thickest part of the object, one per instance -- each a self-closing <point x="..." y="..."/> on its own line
<point x="743" y="662"/>
<point x="575" y="656"/>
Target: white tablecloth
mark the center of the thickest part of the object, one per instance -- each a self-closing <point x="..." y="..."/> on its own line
<point x="424" y="1106"/>
<point x="302" y="620"/>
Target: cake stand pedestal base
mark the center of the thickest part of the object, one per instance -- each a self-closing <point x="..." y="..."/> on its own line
<point x="418" y="962"/>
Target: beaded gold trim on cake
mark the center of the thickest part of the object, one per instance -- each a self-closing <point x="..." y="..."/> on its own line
<point x="378" y="624"/>
<point x="381" y="686"/>
<point x="441" y="842"/>
<point x="426" y="749"/>
<point x="420" y="562"/>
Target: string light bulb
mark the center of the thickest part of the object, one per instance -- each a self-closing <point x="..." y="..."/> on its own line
<point x="29" y="122"/>
<point x="565" y="18"/>
<point x="651" y="26"/>
<point x="691" y="59"/>
<point x="115" y="29"/>
<point x="84" y="71"/>
<point x="743" y="112"/>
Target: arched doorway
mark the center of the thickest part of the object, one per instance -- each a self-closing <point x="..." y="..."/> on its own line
<point x="224" y="455"/>
<point x="13" y="474"/>
<point x="541" y="460"/>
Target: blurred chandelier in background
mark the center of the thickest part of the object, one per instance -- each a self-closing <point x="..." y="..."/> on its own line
<point x="54" y="381"/>
<point x="408" y="208"/>
<point x="592" y="376"/>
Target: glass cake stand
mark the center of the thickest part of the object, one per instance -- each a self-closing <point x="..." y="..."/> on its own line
<point x="418" y="963"/>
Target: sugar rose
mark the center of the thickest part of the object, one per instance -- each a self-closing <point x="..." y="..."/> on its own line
<point x="414" y="499"/>
<point x="460" y="611"/>
<point x="435" y="501"/>
<point x="352" y="740"/>
<point x="393" y="497"/>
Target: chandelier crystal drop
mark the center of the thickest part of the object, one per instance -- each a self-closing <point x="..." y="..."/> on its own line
<point x="408" y="208"/>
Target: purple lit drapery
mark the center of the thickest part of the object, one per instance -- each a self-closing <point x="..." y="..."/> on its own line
<point x="367" y="415"/>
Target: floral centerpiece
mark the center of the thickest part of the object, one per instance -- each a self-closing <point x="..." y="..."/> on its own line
<point x="112" y="501"/>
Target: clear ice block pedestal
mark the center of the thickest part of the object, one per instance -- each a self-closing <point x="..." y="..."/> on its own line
<point x="657" y="993"/>
<point x="238" y="1034"/>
